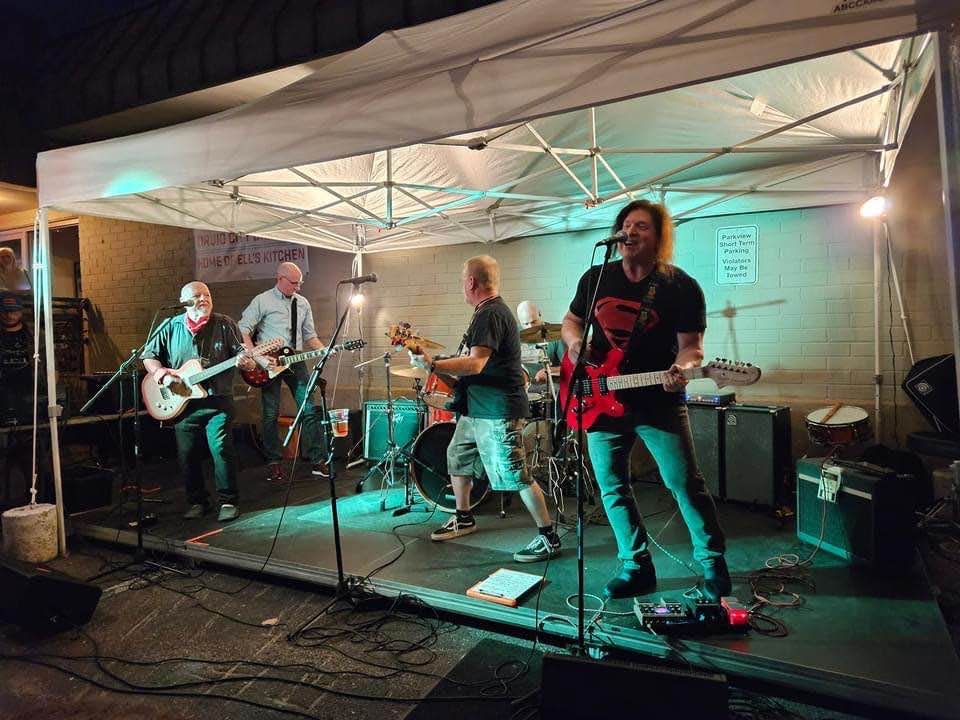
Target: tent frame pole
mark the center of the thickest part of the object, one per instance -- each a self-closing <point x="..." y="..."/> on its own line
<point x="947" y="73"/>
<point x="53" y="410"/>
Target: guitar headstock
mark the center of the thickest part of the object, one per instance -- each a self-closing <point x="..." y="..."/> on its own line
<point x="401" y="335"/>
<point x="351" y="345"/>
<point x="731" y="372"/>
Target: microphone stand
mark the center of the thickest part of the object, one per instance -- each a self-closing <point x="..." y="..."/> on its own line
<point x="131" y="365"/>
<point x="577" y="378"/>
<point x="328" y="440"/>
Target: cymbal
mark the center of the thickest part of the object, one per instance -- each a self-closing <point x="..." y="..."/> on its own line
<point x="414" y="373"/>
<point x="539" y="333"/>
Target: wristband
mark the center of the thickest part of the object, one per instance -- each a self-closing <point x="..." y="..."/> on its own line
<point x="433" y="366"/>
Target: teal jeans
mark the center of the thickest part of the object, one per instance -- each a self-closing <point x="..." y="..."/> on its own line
<point x="666" y="433"/>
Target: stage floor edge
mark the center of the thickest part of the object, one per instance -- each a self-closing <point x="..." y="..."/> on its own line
<point x="816" y="685"/>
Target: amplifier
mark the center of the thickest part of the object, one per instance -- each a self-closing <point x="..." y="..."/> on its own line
<point x="706" y="425"/>
<point x="406" y="426"/>
<point x="854" y="510"/>
<point x="756" y="453"/>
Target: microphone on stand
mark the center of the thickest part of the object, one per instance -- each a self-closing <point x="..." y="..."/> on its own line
<point x="613" y="239"/>
<point x="179" y="305"/>
<point x="372" y="277"/>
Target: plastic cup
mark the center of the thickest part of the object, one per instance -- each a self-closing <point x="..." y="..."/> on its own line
<point x="339" y="422"/>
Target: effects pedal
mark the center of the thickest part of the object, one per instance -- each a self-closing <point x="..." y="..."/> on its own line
<point x="704" y="611"/>
<point x="662" y="616"/>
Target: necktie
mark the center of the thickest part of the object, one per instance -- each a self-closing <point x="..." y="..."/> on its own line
<point x="293" y="322"/>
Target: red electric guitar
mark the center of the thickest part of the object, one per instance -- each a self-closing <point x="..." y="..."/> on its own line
<point x="604" y="380"/>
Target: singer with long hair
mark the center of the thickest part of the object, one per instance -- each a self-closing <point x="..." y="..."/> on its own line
<point x="656" y="314"/>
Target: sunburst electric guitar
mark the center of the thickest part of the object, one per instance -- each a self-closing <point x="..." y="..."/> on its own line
<point x="165" y="402"/>
<point x="603" y="381"/>
<point x="285" y="357"/>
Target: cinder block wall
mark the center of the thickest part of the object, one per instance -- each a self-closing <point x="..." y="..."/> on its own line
<point x="807" y="322"/>
<point x="130" y="269"/>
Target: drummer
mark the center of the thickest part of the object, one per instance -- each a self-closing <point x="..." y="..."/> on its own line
<point x="529" y="316"/>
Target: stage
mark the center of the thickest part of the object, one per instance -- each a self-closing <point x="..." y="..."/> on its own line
<point x="856" y="639"/>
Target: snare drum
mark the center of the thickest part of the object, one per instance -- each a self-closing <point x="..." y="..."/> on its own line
<point x="436" y="394"/>
<point x="849" y="425"/>
<point x="429" y="469"/>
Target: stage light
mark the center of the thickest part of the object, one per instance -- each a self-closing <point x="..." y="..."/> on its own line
<point x="358" y="300"/>
<point x="874" y="207"/>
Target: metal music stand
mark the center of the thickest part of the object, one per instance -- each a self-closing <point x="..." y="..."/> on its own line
<point x="387" y="466"/>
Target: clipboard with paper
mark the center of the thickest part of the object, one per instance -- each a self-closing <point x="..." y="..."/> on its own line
<point x="504" y="587"/>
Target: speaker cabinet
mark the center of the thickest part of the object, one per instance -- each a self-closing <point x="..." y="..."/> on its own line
<point x="44" y="600"/>
<point x="932" y="385"/>
<point x="406" y="426"/>
<point x="706" y="424"/>
<point x="856" y="511"/>
<point x="756" y="453"/>
<point x="611" y="689"/>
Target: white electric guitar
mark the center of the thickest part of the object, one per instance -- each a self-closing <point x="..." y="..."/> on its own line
<point x="165" y="402"/>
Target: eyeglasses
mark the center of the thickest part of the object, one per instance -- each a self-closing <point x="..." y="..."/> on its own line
<point x="298" y="283"/>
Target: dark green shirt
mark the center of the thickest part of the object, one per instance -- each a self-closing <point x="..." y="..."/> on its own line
<point x="218" y="340"/>
<point x="497" y="392"/>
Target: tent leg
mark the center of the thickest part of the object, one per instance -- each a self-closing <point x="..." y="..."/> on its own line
<point x="46" y="275"/>
<point x="948" y="105"/>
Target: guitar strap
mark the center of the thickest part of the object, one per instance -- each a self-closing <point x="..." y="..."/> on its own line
<point x="642" y="323"/>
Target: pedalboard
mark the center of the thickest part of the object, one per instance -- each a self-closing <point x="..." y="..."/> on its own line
<point x="692" y="615"/>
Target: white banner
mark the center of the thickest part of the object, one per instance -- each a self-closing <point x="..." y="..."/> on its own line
<point x="737" y="255"/>
<point x="226" y="257"/>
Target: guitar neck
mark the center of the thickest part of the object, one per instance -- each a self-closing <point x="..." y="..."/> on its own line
<point x="647" y="379"/>
<point x="205" y="375"/>
<point x="300" y="357"/>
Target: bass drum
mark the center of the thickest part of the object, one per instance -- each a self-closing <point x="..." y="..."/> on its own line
<point x="429" y="468"/>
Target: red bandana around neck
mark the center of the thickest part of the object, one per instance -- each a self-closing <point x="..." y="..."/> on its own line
<point x="194" y="326"/>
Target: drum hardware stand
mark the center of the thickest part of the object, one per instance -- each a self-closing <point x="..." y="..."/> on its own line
<point x="387" y="466"/>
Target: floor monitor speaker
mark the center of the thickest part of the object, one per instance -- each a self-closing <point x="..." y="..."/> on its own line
<point x="44" y="600"/>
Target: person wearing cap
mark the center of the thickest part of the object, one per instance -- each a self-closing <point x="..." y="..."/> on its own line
<point x="16" y="349"/>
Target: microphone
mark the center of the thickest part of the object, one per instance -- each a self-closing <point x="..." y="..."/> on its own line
<point x="619" y="236"/>
<point x="372" y="277"/>
<point x="179" y="305"/>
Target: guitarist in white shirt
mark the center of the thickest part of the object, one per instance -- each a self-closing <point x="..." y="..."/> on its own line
<point x="272" y="314"/>
<point x="656" y="314"/>
<point x="202" y="334"/>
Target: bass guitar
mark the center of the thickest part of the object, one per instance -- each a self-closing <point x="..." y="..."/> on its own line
<point x="401" y="335"/>
<point x="285" y="357"/>
<point x="165" y="402"/>
<point x="603" y="381"/>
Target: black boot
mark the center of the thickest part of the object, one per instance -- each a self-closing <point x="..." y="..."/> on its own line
<point x="631" y="581"/>
<point x="716" y="579"/>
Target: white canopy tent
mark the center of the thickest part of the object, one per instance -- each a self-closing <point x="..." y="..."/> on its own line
<point x="533" y="116"/>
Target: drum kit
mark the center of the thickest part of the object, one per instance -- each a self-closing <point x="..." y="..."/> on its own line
<point x="425" y="459"/>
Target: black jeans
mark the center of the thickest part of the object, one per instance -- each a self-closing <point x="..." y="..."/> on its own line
<point x="296" y="379"/>
<point x="210" y="420"/>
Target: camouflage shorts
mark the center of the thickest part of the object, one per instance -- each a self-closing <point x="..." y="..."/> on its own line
<point x="493" y="444"/>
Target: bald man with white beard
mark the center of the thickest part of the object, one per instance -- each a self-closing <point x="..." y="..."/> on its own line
<point x="202" y="334"/>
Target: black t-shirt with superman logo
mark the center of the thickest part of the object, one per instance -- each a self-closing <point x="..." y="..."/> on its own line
<point x="678" y="307"/>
